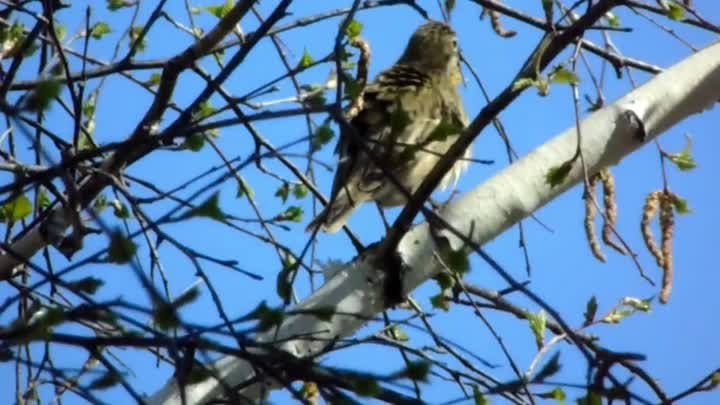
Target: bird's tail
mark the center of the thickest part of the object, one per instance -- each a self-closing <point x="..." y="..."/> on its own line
<point x="334" y="215"/>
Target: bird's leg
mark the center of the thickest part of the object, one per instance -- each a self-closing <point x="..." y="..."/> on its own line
<point x="382" y="215"/>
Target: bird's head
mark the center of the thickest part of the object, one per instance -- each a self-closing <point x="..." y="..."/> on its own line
<point x="433" y="46"/>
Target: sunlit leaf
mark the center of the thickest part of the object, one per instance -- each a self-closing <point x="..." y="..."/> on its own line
<point x="99" y="30"/>
<point x="113" y="5"/>
<point x="675" y="11"/>
<point x="563" y="76"/>
<point x="354" y="29"/>
<point x="306" y="60"/>
<point x="478" y="397"/>
<point x="537" y="326"/>
<point x="300" y="191"/>
<point x="17" y="209"/>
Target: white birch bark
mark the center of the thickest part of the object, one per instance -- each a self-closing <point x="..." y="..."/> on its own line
<point x="608" y="135"/>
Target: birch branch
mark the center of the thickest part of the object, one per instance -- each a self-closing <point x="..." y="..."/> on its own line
<point x="608" y="135"/>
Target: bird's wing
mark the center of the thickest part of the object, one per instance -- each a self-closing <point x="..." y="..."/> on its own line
<point x="374" y="125"/>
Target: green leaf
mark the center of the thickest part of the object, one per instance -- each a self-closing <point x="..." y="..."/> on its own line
<point x="100" y="203"/>
<point x="283" y="283"/>
<point x="209" y="208"/>
<point x="537" y="326"/>
<point x="222" y="10"/>
<point x="549" y="369"/>
<point x="292" y="213"/>
<point x="592" y="398"/>
<point x="88" y="285"/>
<point x="120" y="210"/>
<point x="154" y="79"/>
<point x="315" y="98"/>
<point x="366" y="387"/>
<point x="397" y="334"/>
<point x="300" y="191"/>
<point x="684" y="160"/>
<point x="113" y="5"/>
<point x="443" y="130"/>
<point x="417" y="370"/>
<point x="478" y="396"/>
<point x="440" y="301"/>
<point x="134" y="36"/>
<point x="244" y="189"/>
<point x="681" y="206"/>
<point x="557" y="394"/>
<point x="612" y="20"/>
<point x="675" y="11"/>
<point x="306" y="60"/>
<point x="283" y="191"/>
<point x="590" y="311"/>
<point x="17" y="209"/>
<point x="43" y="199"/>
<point x="12" y="33"/>
<point x="195" y="142"/>
<point x="616" y="315"/>
<point x="43" y="95"/>
<point x="354" y="29"/>
<point x="445" y="281"/>
<point x="557" y="175"/>
<point x="457" y="261"/>
<point x="352" y="87"/>
<point x="323" y="135"/>
<point x="60" y="31"/>
<point x="638" y="304"/>
<point x="563" y="76"/>
<point x="107" y="380"/>
<point x="88" y="109"/>
<point x="86" y="142"/>
<point x="204" y="110"/>
<point x="715" y="380"/>
<point x="121" y="249"/>
<point x="99" y="30"/>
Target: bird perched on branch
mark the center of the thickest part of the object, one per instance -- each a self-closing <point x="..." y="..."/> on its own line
<point x="411" y="115"/>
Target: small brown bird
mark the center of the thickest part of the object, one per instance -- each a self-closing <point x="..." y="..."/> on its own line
<point x="412" y="113"/>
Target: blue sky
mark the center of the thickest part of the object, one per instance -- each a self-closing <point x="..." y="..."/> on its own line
<point x="680" y="339"/>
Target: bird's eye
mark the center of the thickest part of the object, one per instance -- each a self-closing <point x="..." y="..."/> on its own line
<point x="454" y="42"/>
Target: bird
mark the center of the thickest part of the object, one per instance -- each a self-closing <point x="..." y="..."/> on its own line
<point x="411" y="114"/>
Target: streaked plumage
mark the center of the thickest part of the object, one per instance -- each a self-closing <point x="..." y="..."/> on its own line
<point x="405" y="120"/>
